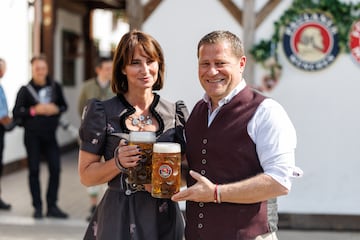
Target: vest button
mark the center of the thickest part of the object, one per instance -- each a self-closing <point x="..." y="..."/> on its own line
<point x="205" y="141"/>
<point x="202" y="172"/>
<point x="203" y="151"/>
<point x="200" y="226"/>
<point x="201" y="204"/>
<point x="203" y="161"/>
<point x="201" y="215"/>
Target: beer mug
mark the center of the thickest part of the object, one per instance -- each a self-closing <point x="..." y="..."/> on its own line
<point x="141" y="174"/>
<point x="166" y="173"/>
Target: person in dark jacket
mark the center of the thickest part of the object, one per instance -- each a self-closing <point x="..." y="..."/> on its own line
<point x="240" y="148"/>
<point x="39" y="105"/>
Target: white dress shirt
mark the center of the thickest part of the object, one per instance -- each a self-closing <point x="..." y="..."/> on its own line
<point x="273" y="134"/>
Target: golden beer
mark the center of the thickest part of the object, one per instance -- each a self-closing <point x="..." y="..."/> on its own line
<point x="166" y="173"/>
<point x="141" y="174"/>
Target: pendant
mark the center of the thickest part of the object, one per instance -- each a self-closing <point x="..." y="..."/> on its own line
<point x="135" y="122"/>
<point x="141" y="121"/>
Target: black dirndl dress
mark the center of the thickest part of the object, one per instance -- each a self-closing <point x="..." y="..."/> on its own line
<point x="128" y="212"/>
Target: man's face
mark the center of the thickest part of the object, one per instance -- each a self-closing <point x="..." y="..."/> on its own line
<point x="104" y="71"/>
<point x="39" y="71"/>
<point x="219" y="70"/>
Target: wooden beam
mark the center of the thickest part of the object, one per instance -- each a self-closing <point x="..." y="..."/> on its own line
<point x="99" y="4"/>
<point x="150" y="7"/>
<point x="90" y="54"/>
<point x="113" y="3"/>
<point x="135" y="13"/>
<point x="37" y="28"/>
<point x="72" y="6"/>
<point x="48" y="28"/>
<point x="265" y="11"/>
<point x="249" y="19"/>
<point x="234" y="10"/>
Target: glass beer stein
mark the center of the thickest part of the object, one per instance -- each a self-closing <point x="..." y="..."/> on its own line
<point x="166" y="165"/>
<point x="141" y="174"/>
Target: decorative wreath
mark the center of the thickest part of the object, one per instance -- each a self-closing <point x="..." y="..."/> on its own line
<point x="343" y="15"/>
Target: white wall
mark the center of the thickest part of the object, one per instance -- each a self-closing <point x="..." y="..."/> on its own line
<point x="14" y="48"/>
<point x="178" y="26"/>
<point x="324" y="108"/>
<point x="322" y="105"/>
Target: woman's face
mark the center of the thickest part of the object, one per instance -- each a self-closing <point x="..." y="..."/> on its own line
<point x="142" y="72"/>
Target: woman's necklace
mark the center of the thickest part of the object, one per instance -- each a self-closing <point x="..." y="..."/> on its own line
<point x="140" y="121"/>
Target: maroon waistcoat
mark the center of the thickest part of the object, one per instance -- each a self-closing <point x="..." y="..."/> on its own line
<point x="224" y="153"/>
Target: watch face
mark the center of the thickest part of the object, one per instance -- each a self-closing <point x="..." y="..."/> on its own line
<point x="311" y="41"/>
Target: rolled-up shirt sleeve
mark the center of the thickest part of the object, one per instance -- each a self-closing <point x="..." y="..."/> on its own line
<point x="275" y="137"/>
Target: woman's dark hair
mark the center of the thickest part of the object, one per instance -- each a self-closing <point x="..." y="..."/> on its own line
<point x="124" y="54"/>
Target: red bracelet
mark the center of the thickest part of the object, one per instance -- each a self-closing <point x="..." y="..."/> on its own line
<point x="32" y="111"/>
<point x="216" y="194"/>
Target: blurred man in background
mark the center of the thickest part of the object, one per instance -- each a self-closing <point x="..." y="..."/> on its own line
<point x="39" y="105"/>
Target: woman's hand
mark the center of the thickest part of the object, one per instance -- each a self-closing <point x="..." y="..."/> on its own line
<point x="148" y="187"/>
<point x="127" y="155"/>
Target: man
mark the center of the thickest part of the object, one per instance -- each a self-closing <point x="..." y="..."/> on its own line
<point x="99" y="88"/>
<point x="240" y="150"/>
<point x="39" y="104"/>
<point x="4" y="121"/>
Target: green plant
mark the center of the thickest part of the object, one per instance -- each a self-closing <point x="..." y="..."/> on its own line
<point x="343" y="16"/>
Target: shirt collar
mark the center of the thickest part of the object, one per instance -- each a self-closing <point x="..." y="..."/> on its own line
<point x="230" y="96"/>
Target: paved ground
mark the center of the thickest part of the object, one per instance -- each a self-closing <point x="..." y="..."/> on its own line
<point x="18" y="224"/>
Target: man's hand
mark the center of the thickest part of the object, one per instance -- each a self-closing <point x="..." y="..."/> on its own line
<point x="202" y="191"/>
<point x="47" y="109"/>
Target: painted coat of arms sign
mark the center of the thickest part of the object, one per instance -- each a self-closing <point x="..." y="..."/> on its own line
<point x="311" y="41"/>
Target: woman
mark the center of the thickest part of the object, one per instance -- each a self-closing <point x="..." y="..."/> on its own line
<point x="127" y="211"/>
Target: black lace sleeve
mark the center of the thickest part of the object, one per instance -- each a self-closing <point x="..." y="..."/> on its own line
<point x="92" y="131"/>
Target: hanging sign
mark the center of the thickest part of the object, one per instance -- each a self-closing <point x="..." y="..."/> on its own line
<point x="354" y="41"/>
<point x="311" y="41"/>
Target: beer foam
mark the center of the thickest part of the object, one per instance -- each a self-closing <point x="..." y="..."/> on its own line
<point x="166" y="147"/>
<point x="142" y="136"/>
